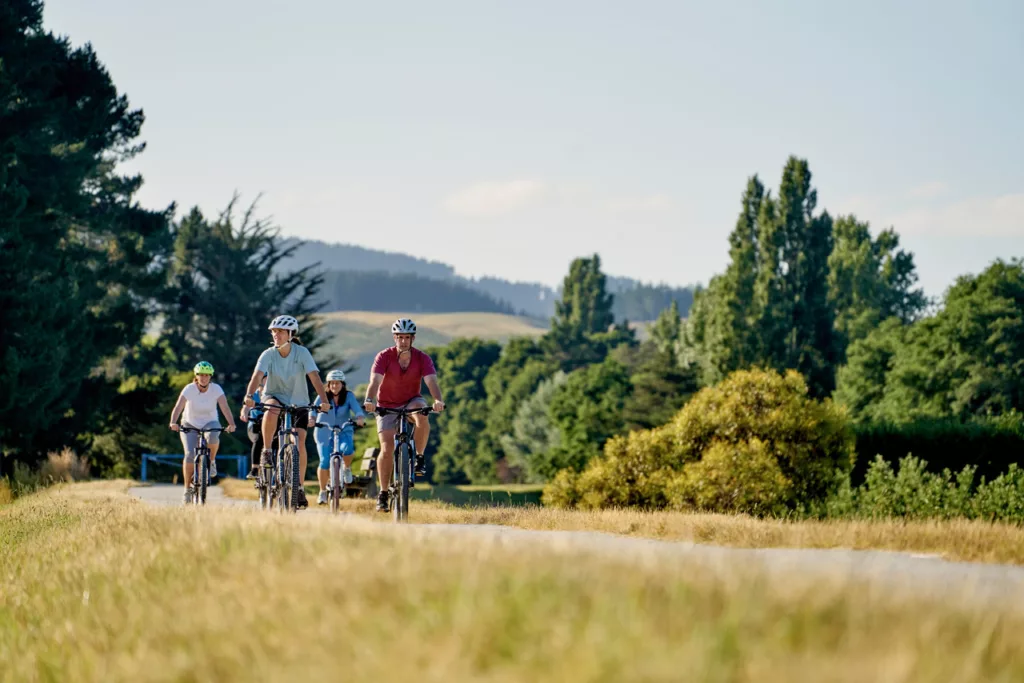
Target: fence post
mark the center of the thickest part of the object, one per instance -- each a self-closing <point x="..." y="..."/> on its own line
<point x="144" y="457"/>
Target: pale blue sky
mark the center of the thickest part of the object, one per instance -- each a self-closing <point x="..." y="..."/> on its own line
<point x="507" y="138"/>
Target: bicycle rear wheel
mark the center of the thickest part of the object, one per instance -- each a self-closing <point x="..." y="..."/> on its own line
<point x="335" y="483"/>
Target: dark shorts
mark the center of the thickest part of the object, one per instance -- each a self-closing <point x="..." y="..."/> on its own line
<point x="300" y="420"/>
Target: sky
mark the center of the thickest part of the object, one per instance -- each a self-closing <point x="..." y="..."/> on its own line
<point x="507" y="138"/>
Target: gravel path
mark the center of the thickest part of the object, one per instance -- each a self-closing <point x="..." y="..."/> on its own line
<point x="922" y="575"/>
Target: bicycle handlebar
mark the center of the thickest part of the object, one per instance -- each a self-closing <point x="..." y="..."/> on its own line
<point x="285" y="409"/>
<point x="197" y="429"/>
<point x="425" y="410"/>
<point x="341" y="428"/>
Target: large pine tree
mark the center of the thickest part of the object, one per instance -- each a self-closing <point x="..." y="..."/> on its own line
<point x="78" y="253"/>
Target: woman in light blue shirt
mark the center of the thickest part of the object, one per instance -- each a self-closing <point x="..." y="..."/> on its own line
<point x="343" y="406"/>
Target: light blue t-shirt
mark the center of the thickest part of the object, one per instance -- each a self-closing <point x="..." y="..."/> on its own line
<point x="286" y="377"/>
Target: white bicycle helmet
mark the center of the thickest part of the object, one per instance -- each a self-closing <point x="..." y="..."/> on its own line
<point x="403" y="326"/>
<point x="335" y="376"/>
<point x="284" y="322"/>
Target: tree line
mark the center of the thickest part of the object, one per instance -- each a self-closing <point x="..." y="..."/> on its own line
<point x="802" y="291"/>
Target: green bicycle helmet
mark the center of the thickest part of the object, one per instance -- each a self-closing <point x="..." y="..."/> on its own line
<point x="203" y="368"/>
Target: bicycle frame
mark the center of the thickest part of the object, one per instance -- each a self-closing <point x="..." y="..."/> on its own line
<point x="403" y="464"/>
<point x="281" y="481"/>
<point x="336" y="488"/>
<point x="201" y="469"/>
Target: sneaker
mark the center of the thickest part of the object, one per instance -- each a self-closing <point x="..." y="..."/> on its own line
<point x="322" y="498"/>
<point x="213" y="469"/>
<point x="267" y="458"/>
<point x="421" y="465"/>
<point x="302" y="503"/>
<point x="188" y="496"/>
<point x="382" y="502"/>
<point x="346" y="474"/>
<point x="254" y="473"/>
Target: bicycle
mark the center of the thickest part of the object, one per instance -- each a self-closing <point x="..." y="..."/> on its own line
<point x="280" y="480"/>
<point x="201" y="471"/>
<point x="335" y="487"/>
<point x="403" y="475"/>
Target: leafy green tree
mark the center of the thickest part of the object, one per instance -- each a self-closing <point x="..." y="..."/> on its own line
<point x="870" y="280"/>
<point x="583" y="329"/>
<point x="588" y="409"/>
<point x="462" y="366"/>
<point x="79" y="253"/>
<point x="965" y="361"/>
<point x="660" y="385"/>
<point x="667" y="331"/>
<point x="521" y="366"/>
<point x="533" y="434"/>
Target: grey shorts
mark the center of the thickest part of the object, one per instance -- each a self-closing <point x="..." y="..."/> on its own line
<point x="190" y="439"/>
<point x="386" y="422"/>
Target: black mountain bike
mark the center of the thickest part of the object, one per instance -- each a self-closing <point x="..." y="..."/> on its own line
<point x="403" y="463"/>
<point x="336" y="487"/>
<point x="279" y="479"/>
<point x="201" y="472"/>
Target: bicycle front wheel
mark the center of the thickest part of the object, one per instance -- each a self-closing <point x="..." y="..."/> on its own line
<point x="296" y="477"/>
<point x="335" y="484"/>
<point x="284" y="467"/>
<point x="402" y="504"/>
<point x="204" y="470"/>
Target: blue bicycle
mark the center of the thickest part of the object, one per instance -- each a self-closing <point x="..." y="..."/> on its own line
<point x="336" y="488"/>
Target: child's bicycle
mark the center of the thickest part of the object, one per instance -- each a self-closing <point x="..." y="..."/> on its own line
<point x="336" y="487"/>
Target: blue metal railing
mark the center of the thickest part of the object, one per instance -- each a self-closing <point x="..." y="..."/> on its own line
<point x="172" y="459"/>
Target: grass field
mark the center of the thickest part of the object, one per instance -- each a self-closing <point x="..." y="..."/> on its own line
<point x="967" y="540"/>
<point x="358" y="335"/>
<point x="100" y="587"/>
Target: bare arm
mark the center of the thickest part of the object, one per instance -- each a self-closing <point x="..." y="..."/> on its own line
<point x="176" y="413"/>
<point x="254" y="383"/>
<point x="318" y="386"/>
<point x="224" y="408"/>
<point x="371" y="392"/>
<point x="435" y="391"/>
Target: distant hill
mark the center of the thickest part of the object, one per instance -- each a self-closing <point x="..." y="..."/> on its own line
<point x="357" y="336"/>
<point x="397" y="291"/>
<point x="346" y="264"/>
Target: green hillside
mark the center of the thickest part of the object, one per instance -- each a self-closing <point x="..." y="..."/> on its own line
<point x="357" y="336"/>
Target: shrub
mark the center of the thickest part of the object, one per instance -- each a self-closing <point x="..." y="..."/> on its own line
<point x="770" y="446"/>
<point x="64" y="466"/>
<point x="989" y="444"/>
<point x="741" y="477"/>
<point x="912" y="491"/>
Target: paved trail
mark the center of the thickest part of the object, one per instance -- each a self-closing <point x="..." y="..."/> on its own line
<point x="917" y="574"/>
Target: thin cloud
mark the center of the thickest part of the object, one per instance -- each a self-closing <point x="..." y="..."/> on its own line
<point x="654" y="203"/>
<point x="1001" y="216"/>
<point x="493" y="199"/>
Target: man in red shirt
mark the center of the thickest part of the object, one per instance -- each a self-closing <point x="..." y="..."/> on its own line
<point x="396" y="375"/>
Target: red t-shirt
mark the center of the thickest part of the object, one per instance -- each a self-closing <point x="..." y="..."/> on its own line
<point x="401" y="386"/>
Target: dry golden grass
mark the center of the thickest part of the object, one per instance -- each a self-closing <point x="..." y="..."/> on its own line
<point x="484" y="325"/>
<point x="966" y="540"/>
<point x="99" y="587"/>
